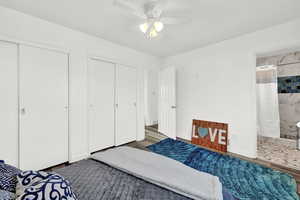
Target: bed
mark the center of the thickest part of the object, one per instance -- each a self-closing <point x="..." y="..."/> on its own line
<point x="92" y="180"/>
<point x="121" y="173"/>
<point x="95" y="180"/>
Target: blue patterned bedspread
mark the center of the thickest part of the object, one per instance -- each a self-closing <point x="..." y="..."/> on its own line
<point x="244" y="180"/>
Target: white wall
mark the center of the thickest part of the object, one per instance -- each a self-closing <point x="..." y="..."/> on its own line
<point x="217" y="83"/>
<point x="151" y="96"/>
<point x="18" y="26"/>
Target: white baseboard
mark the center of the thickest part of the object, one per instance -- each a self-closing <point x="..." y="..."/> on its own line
<point x="78" y="157"/>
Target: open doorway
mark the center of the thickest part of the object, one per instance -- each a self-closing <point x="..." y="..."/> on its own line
<point x="151" y="98"/>
<point x="278" y="109"/>
<point x="160" y="103"/>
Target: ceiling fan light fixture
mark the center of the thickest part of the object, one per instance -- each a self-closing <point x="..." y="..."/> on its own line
<point x="151" y="29"/>
<point x="153" y="33"/>
<point x="144" y="27"/>
<point x="158" y="25"/>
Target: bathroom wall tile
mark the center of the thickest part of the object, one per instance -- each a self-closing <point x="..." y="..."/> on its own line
<point x="289" y="109"/>
<point x="289" y="58"/>
<point x="289" y="84"/>
<point x="288" y="70"/>
<point x="282" y="59"/>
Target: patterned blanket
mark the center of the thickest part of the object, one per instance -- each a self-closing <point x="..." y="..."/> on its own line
<point x="244" y="180"/>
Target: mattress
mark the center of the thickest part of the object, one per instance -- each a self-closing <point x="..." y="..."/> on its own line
<point x="163" y="171"/>
<point x="92" y="180"/>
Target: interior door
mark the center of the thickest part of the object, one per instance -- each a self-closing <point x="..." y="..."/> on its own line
<point x="43" y="108"/>
<point x="101" y="91"/>
<point x="9" y="102"/>
<point x="167" y="102"/>
<point x="126" y="95"/>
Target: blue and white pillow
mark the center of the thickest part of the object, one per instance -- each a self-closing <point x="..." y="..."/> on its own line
<point x="6" y="195"/>
<point x="8" y="177"/>
<point x="43" y="186"/>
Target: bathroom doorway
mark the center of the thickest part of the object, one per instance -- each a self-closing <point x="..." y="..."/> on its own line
<point x="278" y="108"/>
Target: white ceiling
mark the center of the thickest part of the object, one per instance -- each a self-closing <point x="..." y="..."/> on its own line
<point x="212" y="20"/>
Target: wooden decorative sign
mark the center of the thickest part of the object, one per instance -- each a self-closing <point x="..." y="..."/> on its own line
<point x="212" y="135"/>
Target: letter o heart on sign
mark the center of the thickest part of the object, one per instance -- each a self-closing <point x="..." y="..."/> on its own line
<point x="212" y="135"/>
<point x="202" y="132"/>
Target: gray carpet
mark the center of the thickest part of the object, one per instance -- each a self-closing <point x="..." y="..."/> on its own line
<point x="92" y="180"/>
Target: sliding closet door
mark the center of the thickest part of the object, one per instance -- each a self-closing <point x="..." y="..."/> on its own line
<point x="126" y="116"/>
<point x="101" y="104"/>
<point x="9" y="102"/>
<point x="43" y="108"/>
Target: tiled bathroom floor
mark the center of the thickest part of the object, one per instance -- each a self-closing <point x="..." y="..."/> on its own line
<point x="279" y="151"/>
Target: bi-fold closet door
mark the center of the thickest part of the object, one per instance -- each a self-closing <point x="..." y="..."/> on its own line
<point x="34" y="106"/>
<point x="101" y="91"/>
<point x="126" y="113"/>
<point x="9" y="102"/>
<point x="112" y="104"/>
<point x="43" y="103"/>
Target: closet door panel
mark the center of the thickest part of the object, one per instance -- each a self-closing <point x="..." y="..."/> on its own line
<point x="9" y="102"/>
<point x="43" y="108"/>
<point x="101" y="104"/>
<point x="126" y="116"/>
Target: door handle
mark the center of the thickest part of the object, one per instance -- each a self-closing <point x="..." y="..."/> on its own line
<point x="23" y="111"/>
<point x="173" y="107"/>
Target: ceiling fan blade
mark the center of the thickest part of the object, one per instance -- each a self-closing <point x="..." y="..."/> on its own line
<point x="177" y="13"/>
<point x="133" y="6"/>
<point x="174" y="20"/>
<point x="171" y="5"/>
<point x="162" y="4"/>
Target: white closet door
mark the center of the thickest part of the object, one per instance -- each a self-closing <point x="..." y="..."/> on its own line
<point x="126" y="116"/>
<point x="101" y="91"/>
<point x="43" y="108"/>
<point x="9" y="103"/>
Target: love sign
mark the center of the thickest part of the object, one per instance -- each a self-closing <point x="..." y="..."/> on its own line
<point x="212" y="135"/>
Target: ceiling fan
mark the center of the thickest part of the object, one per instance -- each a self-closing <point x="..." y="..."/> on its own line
<point x="154" y="14"/>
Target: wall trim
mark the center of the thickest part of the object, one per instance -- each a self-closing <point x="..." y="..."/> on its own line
<point x="78" y="157"/>
<point x="110" y="60"/>
<point x="34" y="44"/>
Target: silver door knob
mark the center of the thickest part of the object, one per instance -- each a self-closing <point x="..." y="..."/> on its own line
<point x="23" y="111"/>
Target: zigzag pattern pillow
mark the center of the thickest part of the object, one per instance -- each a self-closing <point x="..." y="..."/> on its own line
<point x="43" y="186"/>
<point x="8" y="177"/>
